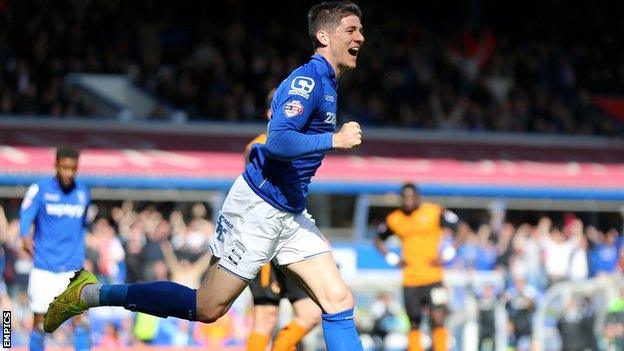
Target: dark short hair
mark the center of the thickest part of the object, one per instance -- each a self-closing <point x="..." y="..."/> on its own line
<point x="67" y="151"/>
<point x="328" y="15"/>
<point x="409" y="186"/>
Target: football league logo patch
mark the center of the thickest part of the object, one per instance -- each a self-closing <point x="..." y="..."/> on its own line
<point x="293" y="108"/>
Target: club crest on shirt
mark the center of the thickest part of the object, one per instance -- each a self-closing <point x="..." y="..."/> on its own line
<point x="301" y="86"/>
<point x="293" y="108"/>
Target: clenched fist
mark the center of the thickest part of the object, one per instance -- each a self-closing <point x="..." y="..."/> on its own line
<point x="349" y="136"/>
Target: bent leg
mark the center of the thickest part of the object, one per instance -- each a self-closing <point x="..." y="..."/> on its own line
<point x="168" y="299"/>
<point x="320" y="278"/>
<point x="218" y="291"/>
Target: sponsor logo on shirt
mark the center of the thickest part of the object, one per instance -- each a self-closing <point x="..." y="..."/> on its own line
<point x="293" y="108"/>
<point x="301" y="86"/>
<point x="330" y="98"/>
<point x="65" y="210"/>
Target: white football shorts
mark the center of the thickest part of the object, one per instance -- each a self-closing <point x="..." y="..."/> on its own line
<point x="250" y="232"/>
<point x="44" y="286"/>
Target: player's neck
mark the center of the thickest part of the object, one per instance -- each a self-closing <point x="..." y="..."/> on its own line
<point x="410" y="210"/>
<point x="325" y="53"/>
<point x="65" y="188"/>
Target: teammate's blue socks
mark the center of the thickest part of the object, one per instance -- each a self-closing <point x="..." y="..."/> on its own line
<point x="81" y="338"/>
<point x="339" y="331"/>
<point x="113" y="295"/>
<point x="161" y="299"/>
<point x="36" y="340"/>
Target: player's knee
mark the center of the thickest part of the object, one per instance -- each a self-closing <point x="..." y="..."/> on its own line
<point x="210" y="314"/>
<point x="339" y="299"/>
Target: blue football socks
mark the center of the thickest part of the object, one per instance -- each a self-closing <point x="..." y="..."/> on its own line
<point x="339" y="331"/>
<point x="36" y="340"/>
<point x="161" y="299"/>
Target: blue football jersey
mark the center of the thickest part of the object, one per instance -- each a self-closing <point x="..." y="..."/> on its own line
<point x="302" y="123"/>
<point x="59" y="220"/>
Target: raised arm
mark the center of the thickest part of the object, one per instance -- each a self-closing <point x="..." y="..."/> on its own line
<point x="290" y="114"/>
<point x="202" y="263"/>
<point x="169" y="255"/>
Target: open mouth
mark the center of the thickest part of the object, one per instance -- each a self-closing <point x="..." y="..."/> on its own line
<point x="354" y="51"/>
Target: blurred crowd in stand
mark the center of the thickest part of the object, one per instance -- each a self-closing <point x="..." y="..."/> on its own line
<point x="420" y="68"/>
<point x="532" y="257"/>
<point x="131" y="242"/>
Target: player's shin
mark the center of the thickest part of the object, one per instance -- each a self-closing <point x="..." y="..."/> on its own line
<point x="162" y="299"/>
<point x="339" y="331"/>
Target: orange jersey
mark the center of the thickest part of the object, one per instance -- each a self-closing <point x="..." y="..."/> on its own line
<point x="260" y="139"/>
<point x="421" y="235"/>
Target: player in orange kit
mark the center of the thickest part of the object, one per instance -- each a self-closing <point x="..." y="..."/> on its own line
<point x="420" y="226"/>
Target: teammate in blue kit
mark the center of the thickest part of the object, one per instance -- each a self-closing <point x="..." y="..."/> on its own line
<point x="57" y="206"/>
<point x="264" y="215"/>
